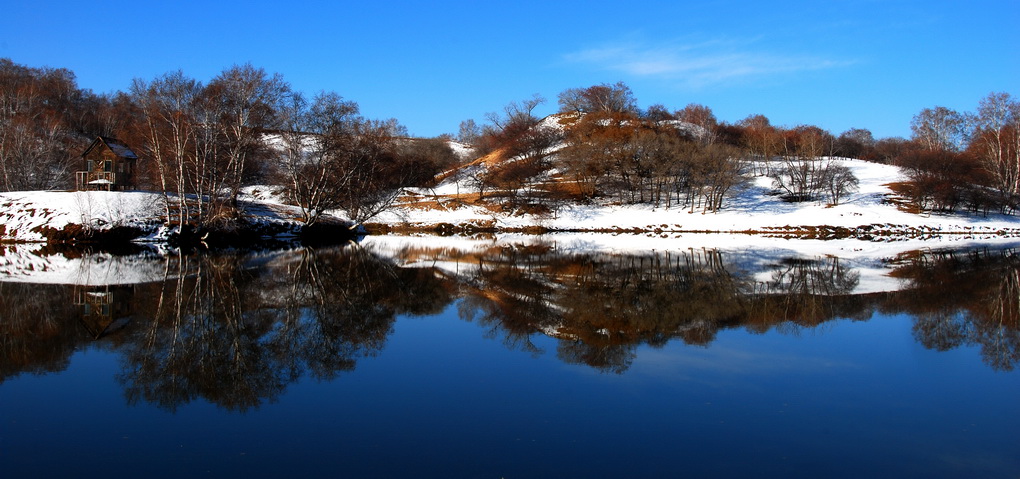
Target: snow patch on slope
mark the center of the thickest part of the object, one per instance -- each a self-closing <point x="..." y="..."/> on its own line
<point x="752" y="208"/>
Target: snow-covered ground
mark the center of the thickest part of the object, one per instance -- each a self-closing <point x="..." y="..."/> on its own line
<point x="751" y="209"/>
<point x="22" y="213"/>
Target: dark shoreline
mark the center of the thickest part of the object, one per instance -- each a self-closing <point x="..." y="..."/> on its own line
<point x="126" y="239"/>
<point x="281" y="235"/>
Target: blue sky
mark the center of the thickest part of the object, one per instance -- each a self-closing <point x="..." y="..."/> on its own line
<point x="841" y="64"/>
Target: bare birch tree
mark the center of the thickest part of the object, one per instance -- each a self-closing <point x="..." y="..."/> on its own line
<point x="996" y="142"/>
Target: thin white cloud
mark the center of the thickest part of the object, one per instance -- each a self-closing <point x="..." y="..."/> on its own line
<point x="698" y="64"/>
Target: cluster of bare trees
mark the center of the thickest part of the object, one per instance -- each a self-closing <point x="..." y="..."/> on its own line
<point x="201" y="143"/>
<point x="41" y="110"/>
<point x="801" y="160"/>
<point x="247" y="126"/>
<point x="601" y="145"/>
<point x="332" y="158"/>
<point x="205" y="141"/>
<point x="518" y="137"/>
<point x="636" y="160"/>
<point x="965" y="160"/>
<point x="807" y="169"/>
<point x="995" y="141"/>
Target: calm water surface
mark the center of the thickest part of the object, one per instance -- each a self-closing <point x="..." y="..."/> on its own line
<point x="511" y="361"/>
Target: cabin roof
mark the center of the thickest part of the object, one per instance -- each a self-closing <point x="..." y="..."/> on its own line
<point x="116" y="146"/>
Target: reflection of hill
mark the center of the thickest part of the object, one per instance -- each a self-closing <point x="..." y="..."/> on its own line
<point x="236" y="330"/>
<point x="601" y="305"/>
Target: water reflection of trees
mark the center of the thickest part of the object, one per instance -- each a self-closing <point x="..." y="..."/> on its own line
<point x="33" y="338"/>
<point x="600" y="307"/>
<point x="236" y="330"/>
<point x="805" y="293"/>
<point x="237" y="334"/>
<point x="964" y="298"/>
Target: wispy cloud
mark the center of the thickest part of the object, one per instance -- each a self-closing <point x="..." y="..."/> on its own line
<point x="699" y="64"/>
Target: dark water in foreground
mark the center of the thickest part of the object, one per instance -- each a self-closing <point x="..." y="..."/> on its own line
<point x="516" y="361"/>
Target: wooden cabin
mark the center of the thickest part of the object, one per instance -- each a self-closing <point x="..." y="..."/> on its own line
<point x="109" y="165"/>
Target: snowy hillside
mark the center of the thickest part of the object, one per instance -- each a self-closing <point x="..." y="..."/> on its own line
<point x="753" y="209"/>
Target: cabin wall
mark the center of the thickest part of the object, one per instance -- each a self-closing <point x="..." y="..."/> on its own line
<point x="103" y="160"/>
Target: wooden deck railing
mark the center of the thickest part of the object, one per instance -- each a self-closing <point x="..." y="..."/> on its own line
<point x="95" y="180"/>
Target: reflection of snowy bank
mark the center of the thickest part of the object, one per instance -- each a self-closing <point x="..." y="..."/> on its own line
<point x="24" y="264"/>
<point x="757" y="255"/>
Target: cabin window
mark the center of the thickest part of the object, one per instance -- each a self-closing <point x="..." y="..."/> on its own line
<point x="91" y="165"/>
<point x="107" y="166"/>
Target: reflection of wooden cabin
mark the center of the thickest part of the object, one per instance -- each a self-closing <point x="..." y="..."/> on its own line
<point x="104" y="308"/>
<point x="109" y="165"/>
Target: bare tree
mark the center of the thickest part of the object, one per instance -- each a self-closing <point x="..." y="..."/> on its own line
<point x="939" y="129"/>
<point x="167" y="109"/>
<point x="702" y="117"/>
<point x="602" y="98"/>
<point x="658" y="112"/>
<point x="596" y="147"/>
<point x="761" y="139"/>
<point x="839" y="181"/>
<point x="374" y="171"/>
<point x="313" y="140"/>
<point x="856" y="143"/>
<point x="243" y="102"/>
<point x="335" y="159"/>
<point x="996" y="142"/>
<point x="469" y="132"/>
<point x="802" y="174"/>
<point x="424" y="159"/>
<point x="722" y="170"/>
<point x="515" y="115"/>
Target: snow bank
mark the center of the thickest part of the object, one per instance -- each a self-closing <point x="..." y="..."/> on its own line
<point x="23" y="213"/>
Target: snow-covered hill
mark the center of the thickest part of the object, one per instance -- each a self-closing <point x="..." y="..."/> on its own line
<point x="752" y="209"/>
